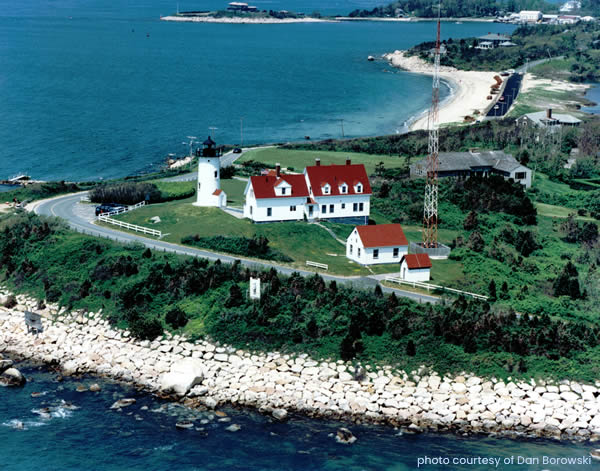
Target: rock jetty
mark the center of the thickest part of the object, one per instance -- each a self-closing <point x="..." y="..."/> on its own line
<point x="209" y="374"/>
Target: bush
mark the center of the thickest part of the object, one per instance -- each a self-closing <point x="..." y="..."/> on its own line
<point x="126" y="193"/>
<point x="257" y="246"/>
<point x="10" y="302"/>
<point x="146" y="328"/>
<point x="176" y="318"/>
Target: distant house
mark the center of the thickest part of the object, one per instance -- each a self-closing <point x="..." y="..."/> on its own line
<point x="467" y="164"/>
<point x="492" y="39"/>
<point x="547" y="119"/>
<point x="383" y="243"/>
<point x="570" y="6"/>
<point x="239" y="6"/>
<point x="485" y="45"/>
<point x="415" y="267"/>
<point x="568" y="19"/>
<point x="530" y="16"/>
<point x="588" y="19"/>
<point x="339" y="193"/>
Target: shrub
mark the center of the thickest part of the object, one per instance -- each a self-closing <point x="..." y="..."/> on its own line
<point x="10" y="302"/>
<point x="176" y="318"/>
<point x="146" y="328"/>
<point x="126" y="193"/>
<point x="257" y="246"/>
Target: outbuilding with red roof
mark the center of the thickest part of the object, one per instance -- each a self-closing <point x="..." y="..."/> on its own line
<point x="382" y="243"/>
<point x="415" y="267"/>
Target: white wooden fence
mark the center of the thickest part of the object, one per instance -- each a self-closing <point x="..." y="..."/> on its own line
<point x="124" y="209"/>
<point x="318" y="265"/>
<point x="428" y="287"/>
<point x="130" y="227"/>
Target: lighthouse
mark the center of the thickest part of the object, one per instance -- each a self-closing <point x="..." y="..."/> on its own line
<point x="208" y="191"/>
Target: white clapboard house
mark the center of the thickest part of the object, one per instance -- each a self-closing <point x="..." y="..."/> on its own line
<point x="339" y="193"/>
<point x="415" y="267"/>
<point x="382" y="243"/>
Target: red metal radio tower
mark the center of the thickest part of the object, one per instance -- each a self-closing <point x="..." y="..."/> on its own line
<point x="430" y="210"/>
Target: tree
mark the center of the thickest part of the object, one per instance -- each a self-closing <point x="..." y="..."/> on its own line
<point x="504" y="291"/>
<point x="471" y="221"/>
<point x="384" y="191"/>
<point x="570" y="228"/>
<point x="492" y="291"/>
<point x="235" y="296"/>
<point x="589" y="233"/>
<point x="567" y="283"/>
<point x="476" y="242"/>
<point x="411" y="350"/>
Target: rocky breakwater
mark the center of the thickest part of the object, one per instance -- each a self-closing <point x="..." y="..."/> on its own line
<point x="208" y="374"/>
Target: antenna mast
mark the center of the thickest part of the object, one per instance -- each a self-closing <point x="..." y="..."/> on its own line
<point x="430" y="210"/>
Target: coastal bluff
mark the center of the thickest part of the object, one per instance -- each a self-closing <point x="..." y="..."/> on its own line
<point x="207" y="374"/>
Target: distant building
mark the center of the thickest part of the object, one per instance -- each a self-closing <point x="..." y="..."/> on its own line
<point x="493" y="39"/>
<point x="550" y="19"/>
<point x="383" y="243"/>
<point x="468" y="164"/>
<point x="530" y="16"/>
<point x="339" y="193"/>
<point x="568" y="19"/>
<point x="547" y="119"/>
<point x="239" y="6"/>
<point x="571" y="5"/>
<point x="588" y="19"/>
<point x="208" y="191"/>
<point x="485" y="45"/>
<point x="415" y="267"/>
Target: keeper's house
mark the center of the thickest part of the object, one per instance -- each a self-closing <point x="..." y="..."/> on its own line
<point x="338" y="193"/>
<point x="415" y="267"/>
<point x="468" y="164"/>
<point x="383" y="243"/>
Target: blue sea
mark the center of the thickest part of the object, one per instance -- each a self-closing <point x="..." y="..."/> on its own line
<point x="94" y="89"/>
<point x="593" y="94"/>
<point x="82" y="433"/>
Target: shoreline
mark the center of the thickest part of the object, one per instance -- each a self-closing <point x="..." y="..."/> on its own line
<point x="242" y="20"/>
<point x="209" y="374"/>
<point x="469" y="90"/>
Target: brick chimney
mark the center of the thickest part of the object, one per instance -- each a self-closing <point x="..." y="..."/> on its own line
<point x="549" y="113"/>
<point x="278" y="169"/>
<point x="348" y="161"/>
<point x="318" y="162"/>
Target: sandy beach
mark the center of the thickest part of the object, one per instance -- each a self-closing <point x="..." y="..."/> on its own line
<point x="469" y="89"/>
<point x="241" y="20"/>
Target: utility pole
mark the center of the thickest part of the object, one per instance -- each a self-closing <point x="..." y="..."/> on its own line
<point x="342" y="123"/>
<point x="211" y="130"/>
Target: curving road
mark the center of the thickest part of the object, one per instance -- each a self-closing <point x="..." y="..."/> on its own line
<point x="80" y="217"/>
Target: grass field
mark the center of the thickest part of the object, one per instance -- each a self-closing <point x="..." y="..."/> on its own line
<point x="553" y="211"/>
<point x="298" y="159"/>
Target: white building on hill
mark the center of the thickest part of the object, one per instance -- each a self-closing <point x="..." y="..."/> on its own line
<point x="530" y="16"/>
<point x="339" y="193"/>
<point x="208" y="191"/>
<point x="415" y="267"/>
<point x="383" y="243"/>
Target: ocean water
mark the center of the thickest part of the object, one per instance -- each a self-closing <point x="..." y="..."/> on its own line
<point x="81" y="433"/>
<point x="593" y="94"/>
<point x="96" y="89"/>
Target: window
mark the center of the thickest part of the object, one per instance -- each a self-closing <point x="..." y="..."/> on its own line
<point x="216" y="173"/>
<point x="250" y="210"/>
<point x="310" y="211"/>
<point x="292" y="208"/>
<point x="358" y="251"/>
<point x="269" y="212"/>
<point x="326" y="189"/>
<point x="361" y="206"/>
<point x="324" y="208"/>
<point x="375" y="253"/>
<point x="359" y="188"/>
<point x="520" y="176"/>
<point x="331" y="208"/>
<point x="355" y="207"/>
<point x="351" y="249"/>
<point x="396" y="251"/>
<point x="344" y="189"/>
<point x="283" y="191"/>
<point x="343" y="205"/>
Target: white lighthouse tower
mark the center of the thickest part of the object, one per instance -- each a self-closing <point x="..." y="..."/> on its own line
<point x="208" y="191"/>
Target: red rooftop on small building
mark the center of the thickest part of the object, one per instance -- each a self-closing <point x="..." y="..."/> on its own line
<point x="382" y="235"/>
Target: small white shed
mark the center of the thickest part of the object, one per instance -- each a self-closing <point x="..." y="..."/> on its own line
<point x="382" y="243"/>
<point x="415" y="267"/>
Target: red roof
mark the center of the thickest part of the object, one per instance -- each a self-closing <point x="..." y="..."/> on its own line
<point x="382" y="235"/>
<point x="417" y="260"/>
<point x="217" y="192"/>
<point x="335" y="175"/>
<point x="264" y="186"/>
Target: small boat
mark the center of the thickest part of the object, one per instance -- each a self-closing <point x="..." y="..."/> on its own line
<point x="595" y="454"/>
<point x="458" y="23"/>
<point x="370" y="58"/>
<point x="184" y="424"/>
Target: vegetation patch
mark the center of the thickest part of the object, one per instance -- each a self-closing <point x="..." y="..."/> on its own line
<point x="257" y="246"/>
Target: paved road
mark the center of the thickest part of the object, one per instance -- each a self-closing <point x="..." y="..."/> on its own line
<point x="80" y="217"/>
<point x="509" y="95"/>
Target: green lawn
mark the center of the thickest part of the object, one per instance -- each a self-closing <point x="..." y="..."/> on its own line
<point x="235" y="192"/>
<point x="553" y="211"/>
<point x="299" y="159"/>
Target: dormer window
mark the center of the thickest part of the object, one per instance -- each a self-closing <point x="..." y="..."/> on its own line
<point x="326" y="189"/>
<point x="358" y="188"/>
<point x="343" y="189"/>
<point x="283" y="191"/>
